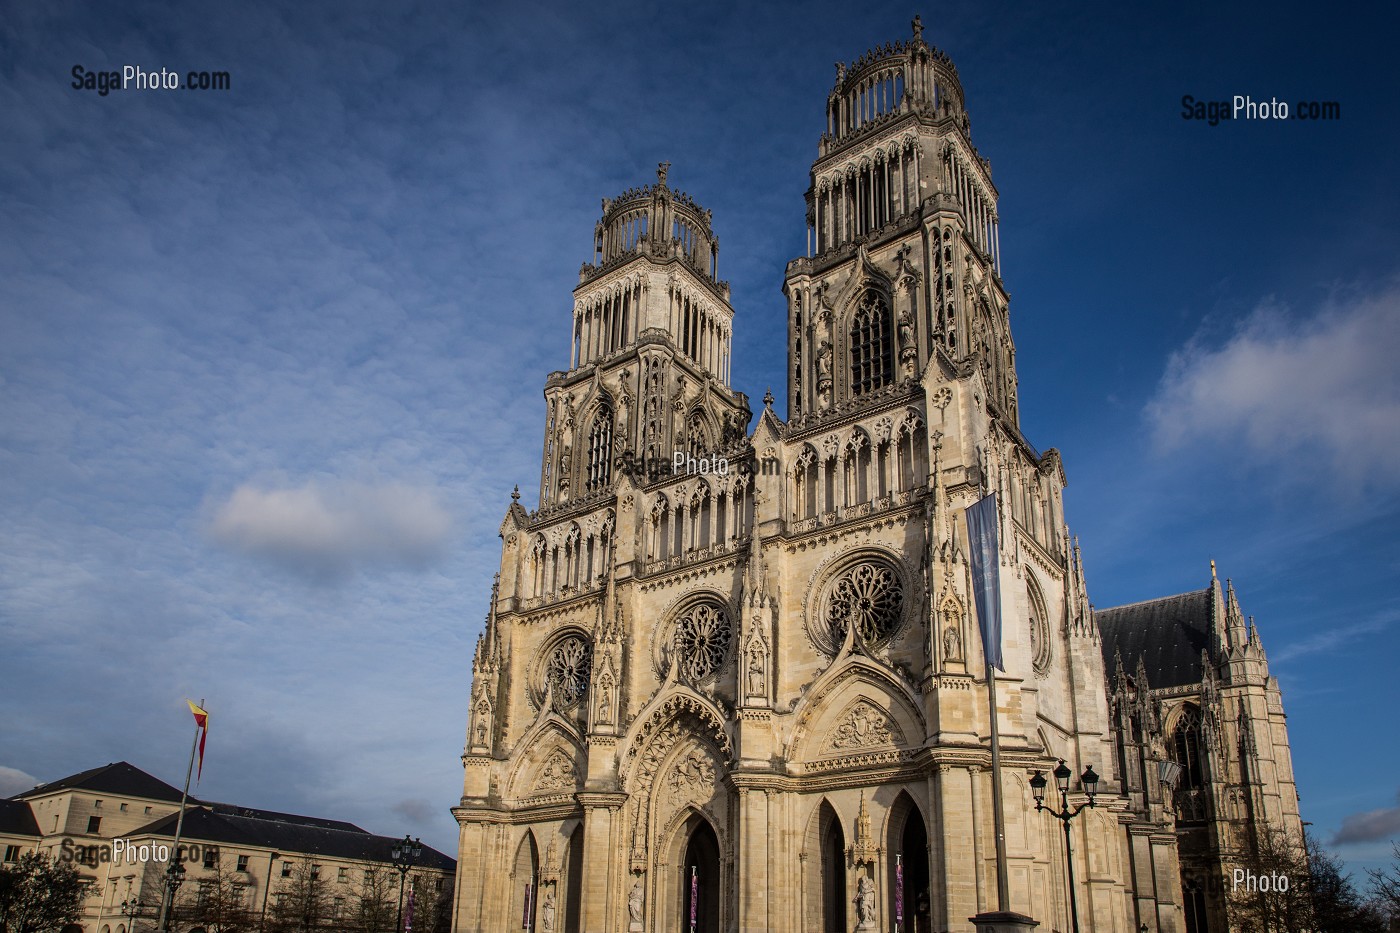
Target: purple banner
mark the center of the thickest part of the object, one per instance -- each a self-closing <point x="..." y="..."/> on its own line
<point x="986" y="575"/>
<point x="898" y="889"/>
<point x="694" y="896"/>
<point x="529" y="895"/>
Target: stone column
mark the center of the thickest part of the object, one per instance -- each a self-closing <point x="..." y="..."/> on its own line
<point x="601" y="845"/>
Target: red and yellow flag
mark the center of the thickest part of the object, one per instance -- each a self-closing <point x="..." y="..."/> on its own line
<point x="201" y="722"/>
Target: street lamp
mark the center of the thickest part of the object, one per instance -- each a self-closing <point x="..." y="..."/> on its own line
<point x="173" y="879"/>
<point x="405" y="855"/>
<point x="131" y="909"/>
<point x="1090" y="782"/>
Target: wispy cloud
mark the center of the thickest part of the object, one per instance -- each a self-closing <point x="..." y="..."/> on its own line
<point x="14" y="781"/>
<point x="329" y="530"/>
<point x="1370" y="826"/>
<point x="1323" y="389"/>
<point x="1333" y="638"/>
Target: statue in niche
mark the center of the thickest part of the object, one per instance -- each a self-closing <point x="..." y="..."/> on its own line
<point x="480" y="732"/>
<point x="756" y="670"/>
<point x="547" y="910"/>
<point x="824" y="359"/>
<point x="635" y="899"/>
<point x="952" y="644"/>
<point x="865" y="903"/>
<point x="605" y="702"/>
<point x="906" y="331"/>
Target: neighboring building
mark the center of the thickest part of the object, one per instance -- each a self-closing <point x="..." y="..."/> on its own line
<point x="748" y="693"/>
<point x="255" y="856"/>
<point x="1193" y="702"/>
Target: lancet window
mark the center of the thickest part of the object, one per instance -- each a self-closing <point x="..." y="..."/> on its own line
<point x="872" y="357"/>
<point x="600" y="449"/>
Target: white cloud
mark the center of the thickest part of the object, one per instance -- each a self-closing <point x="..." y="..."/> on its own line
<point x="14" y="781"/>
<point x="1332" y="638"/>
<point x="1370" y="826"/>
<point x="329" y="530"/>
<point x="1324" y="389"/>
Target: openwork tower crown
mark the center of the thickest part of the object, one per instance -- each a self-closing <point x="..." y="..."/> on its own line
<point x="656" y="221"/>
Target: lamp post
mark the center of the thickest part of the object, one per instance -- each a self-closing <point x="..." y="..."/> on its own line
<point x="404" y="856"/>
<point x="1065" y="814"/>
<point x="131" y="909"/>
<point x="174" y="877"/>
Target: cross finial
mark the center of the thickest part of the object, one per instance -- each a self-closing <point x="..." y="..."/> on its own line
<point x="515" y="496"/>
<point x="768" y="398"/>
<point x="661" y="169"/>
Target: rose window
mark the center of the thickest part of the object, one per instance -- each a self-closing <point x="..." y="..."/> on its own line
<point x="703" y="636"/>
<point x="868" y="595"/>
<point x="568" y="669"/>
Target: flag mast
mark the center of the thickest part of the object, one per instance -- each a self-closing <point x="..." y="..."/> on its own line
<point x="167" y="897"/>
<point x="982" y="524"/>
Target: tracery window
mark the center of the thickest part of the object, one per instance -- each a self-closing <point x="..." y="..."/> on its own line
<point x="1187" y="748"/>
<point x="872" y="357"/>
<point x="600" y="449"/>
<point x="703" y="637"/>
<point x="697" y="435"/>
<point x="871" y="595"/>
<point x="567" y="670"/>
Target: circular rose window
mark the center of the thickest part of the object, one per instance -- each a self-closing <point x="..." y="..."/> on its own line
<point x="703" y="636"/>
<point x="869" y="596"/>
<point x="567" y="670"/>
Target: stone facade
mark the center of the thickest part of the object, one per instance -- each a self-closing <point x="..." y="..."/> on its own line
<point x="731" y="667"/>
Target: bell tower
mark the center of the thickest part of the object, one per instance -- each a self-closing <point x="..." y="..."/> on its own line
<point x="904" y="256"/>
<point x="650" y="349"/>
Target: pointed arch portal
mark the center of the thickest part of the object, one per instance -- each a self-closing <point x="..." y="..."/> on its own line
<point x="700" y="880"/>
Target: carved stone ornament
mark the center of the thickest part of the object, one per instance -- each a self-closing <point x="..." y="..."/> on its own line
<point x="692" y="777"/>
<point x="567" y="670"/>
<point x="871" y="596"/>
<point x="865" y="726"/>
<point x="952" y="644"/>
<point x="558" y="773"/>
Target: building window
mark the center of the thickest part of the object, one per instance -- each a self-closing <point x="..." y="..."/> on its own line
<point x="122" y="807"/>
<point x="97" y="804"/>
<point x="342" y="874"/>
<point x="286" y="869"/>
<point x="337" y="907"/>
<point x="211" y="856"/>
<point x="94" y="824"/>
<point x="11" y="853"/>
<point x="243" y="863"/>
<point x="872" y="359"/>
<point x="600" y="450"/>
<point x="148" y="811"/>
<point x="315" y="872"/>
<point x="437" y="885"/>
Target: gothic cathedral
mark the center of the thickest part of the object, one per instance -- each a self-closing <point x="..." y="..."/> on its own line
<point x="731" y="677"/>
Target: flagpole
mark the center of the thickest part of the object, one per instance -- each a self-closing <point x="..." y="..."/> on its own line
<point x="168" y="896"/>
<point x="998" y="816"/>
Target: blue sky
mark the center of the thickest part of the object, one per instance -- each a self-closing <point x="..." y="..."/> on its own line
<point x="271" y="359"/>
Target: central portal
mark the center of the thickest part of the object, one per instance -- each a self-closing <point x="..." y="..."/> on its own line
<point x="700" y="880"/>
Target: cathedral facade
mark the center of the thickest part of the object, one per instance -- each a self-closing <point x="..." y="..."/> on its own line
<point x="731" y="676"/>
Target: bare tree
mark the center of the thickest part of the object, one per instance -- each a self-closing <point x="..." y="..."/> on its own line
<point x="301" y="903"/>
<point x="1385" y="889"/>
<point x="219" y="904"/>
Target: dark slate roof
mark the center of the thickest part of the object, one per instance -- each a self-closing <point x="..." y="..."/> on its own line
<point x="116" y="778"/>
<point x="292" y="834"/>
<point x="235" y="810"/>
<point x="17" y="819"/>
<point x="1169" y="634"/>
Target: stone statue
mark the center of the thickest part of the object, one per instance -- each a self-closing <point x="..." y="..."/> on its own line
<point x="480" y="732"/>
<point x="906" y="331"/>
<point x="605" y="702"/>
<point x="634" y="900"/>
<point x="547" y="908"/>
<point x="756" y="671"/>
<point x="952" y="644"/>
<point x="865" y="902"/>
<point x="824" y="360"/>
